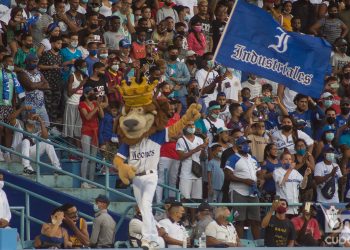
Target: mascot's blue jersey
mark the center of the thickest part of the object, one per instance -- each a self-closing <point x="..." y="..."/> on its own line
<point x="144" y="155"/>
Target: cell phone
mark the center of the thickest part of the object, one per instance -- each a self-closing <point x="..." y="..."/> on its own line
<point x="307" y="207"/>
<point x="277" y="198"/>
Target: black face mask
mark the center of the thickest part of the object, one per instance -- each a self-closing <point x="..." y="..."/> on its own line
<point x="56" y="50"/>
<point x="286" y="128"/>
<point x="343" y="49"/>
<point x="173" y="57"/>
<point x="333" y="15"/>
<point x="195" y="91"/>
<point x="64" y="45"/>
<point x="330" y="120"/>
<point x="345" y="110"/>
<point x="346" y="76"/>
<point x="191" y="61"/>
<point x="93" y="26"/>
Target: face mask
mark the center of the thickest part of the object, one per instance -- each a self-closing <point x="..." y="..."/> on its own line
<point x="301" y="151"/>
<point x="345" y="110"/>
<point x="210" y="64"/>
<point x="2" y="183"/>
<point x="94" y="26"/>
<point x="330" y="157"/>
<point x="333" y="15"/>
<point x="104" y="56"/>
<point x="85" y="1"/>
<point x="29" y="46"/>
<point x="96" y="9"/>
<point x="191" y="61"/>
<point x="330" y="120"/>
<point x="31" y="66"/>
<point x="56" y="49"/>
<point x="343" y="49"/>
<point x="10" y="68"/>
<point x="245" y="148"/>
<point x="286" y="166"/>
<point x="281" y="210"/>
<point x="335" y="86"/>
<point x="191" y="130"/>
<point x="346" y="75"/>
<point x="173" y="57"/>
<point x="328" y="103"/>
<point x="286" y="128"/>
<point x="84" y="70"/>
<point x="74" y="44"/>
<point x="115" y="67"/>
<point x="23" y="6"/>
<point x="219" y="154"/>
<point x="42" y="10"/>
<point x="93" y="52"/>
<point x="329" y="136"/>
<point x="197" y="28"/>
<point x="31" y="122"/>
<point x="101" y="74"/>
<point x="231" y="218"/>
<point x="187" y="18"/>
<point x="96" y="209"/>
<point x="215" y="116"/>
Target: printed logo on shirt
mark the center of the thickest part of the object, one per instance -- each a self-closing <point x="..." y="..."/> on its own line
<point x="141" y="155"/>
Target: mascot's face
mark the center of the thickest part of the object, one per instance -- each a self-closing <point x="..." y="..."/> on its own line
<point x="136" y="122"/>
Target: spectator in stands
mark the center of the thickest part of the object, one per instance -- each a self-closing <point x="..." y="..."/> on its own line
<point x="307" y="228"/>
<point x="288" y="181"/>
<point x="135" y="231"/>
<point x="5" y="213"/>
<point x="104" y="226"/>
<point x="53" y="235"/>
<point x="279" y="230"/>
<point x="339" y="58"/>
<point x="196" y="39"/>
<point x="241" y="169"/>
<point x="221" y="232"/>
<point x="76" y="227"/>
<point x="259" y="139"/>
<point x="204" y="217"/>
<point x="327" y="176"/>
<point x="306" y="11"/>
<point x="174" y="231"/>
<point x="212" y="122"/>
<point x="25" y="50"/>
<point x="166" y="11"/>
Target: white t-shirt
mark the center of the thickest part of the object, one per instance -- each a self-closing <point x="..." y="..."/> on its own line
<point x="321" y="169"/>
<point x="290" y="189"/>
<point x="186" y="165"/>
<point x="222" y="233"/>
<point x="144" y="155"/>
<point x="203" y="81"/>
<point x="7" y="16"/>
<point x="283" y="142"/>
<point x="174" y="230"/>
<point x="232" y="86"/>
<point x="5" y="212"/>
<point x="188" y="3"/>
<point x="245" y="168"/>
<point x="255" y="89"/>
<point x="219" y="123"/>
<point x="288" y="99"/>
<point x="75" y="98"/>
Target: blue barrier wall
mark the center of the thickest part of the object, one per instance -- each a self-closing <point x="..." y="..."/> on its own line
<point x="41" y="209"/>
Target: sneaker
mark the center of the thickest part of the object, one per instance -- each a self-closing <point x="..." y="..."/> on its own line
<point x="85" y="185"/>
<point x="2" y="156"/>
<point x="7" y="157"/>
<point x="55" y="132"/>
<point x="145" y="245"/>
<point x="29" y="171"/>
<point x="154" y="245"/>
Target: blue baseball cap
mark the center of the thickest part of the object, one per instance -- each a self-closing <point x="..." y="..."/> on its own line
<point x="328" y="128"/>
<point x="124" y="43"/>
<point x="242" y="140"/>
<point x="223" y="129"/>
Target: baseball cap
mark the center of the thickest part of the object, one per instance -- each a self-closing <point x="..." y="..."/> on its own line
<point x="223" y="129"/>
<point x="241" y="140"/>
<point x="31" y="57"/>
<point x="204" y="206"/>
<point x="150" y="42"/>
<point x="327" y="148"/>
<point x="326" y="95"/>
<point x="124" y="43"/>
<point x="102" y="198"/>
<point x="190" y="53"/>
<point x="328" y="128"/>
<point x="213" y="105"/>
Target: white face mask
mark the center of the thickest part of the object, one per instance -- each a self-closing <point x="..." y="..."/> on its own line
<point x="2" y="183"/>
<point x="115" y="67"/>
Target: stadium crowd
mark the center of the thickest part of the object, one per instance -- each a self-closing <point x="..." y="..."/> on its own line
<point x="257" y="140"/>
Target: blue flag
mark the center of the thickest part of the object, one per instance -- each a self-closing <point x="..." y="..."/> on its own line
<point x="254" y="42"/>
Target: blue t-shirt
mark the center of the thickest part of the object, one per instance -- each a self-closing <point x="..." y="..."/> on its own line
<point x="340" y="120"/>
<point x="90" y="63"/>
<point x="217" y="174"/>
<point x="68" y="55"/>
<point x="309" y="116"/>
<point x="269" y="185"/>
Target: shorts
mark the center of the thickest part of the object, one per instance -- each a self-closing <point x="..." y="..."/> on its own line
<point x="245" y="212"/>
<point x="71" y="121"/>
<point x="191" y="189"/>
<point x="5" y="112"/>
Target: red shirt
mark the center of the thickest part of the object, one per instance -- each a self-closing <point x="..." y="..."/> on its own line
<point x="89" y="127"/>
<point x="312" y="227"/>
<point x="114" y="79"/>
<point x="336" y="104"/>
<point x="138" y="50"/>
<point x="169" y="149"/>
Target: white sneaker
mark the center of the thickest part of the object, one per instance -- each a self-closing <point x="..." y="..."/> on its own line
<point x="54" y="131"/>
<point x="85" y="185"/>
<point x="154" y="245"/>
<point x="7" y="157"/>
<point x="145" y="245"/>
<point x="2" y="156"/>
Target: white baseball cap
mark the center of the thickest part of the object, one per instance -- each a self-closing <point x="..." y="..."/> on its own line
<point x="326" y="95"/>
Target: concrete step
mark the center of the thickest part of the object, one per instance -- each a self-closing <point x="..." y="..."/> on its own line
<point x="54" y="181"/>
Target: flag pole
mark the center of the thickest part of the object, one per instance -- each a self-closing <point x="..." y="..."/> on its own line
<point x="220" y="41"/>
<point x="225" y="29"/>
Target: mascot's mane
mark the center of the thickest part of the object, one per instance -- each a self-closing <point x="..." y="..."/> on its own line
<point x="160" y="120"/>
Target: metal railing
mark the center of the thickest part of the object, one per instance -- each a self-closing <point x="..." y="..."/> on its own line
<point x="39" y="164"/>
<point x="21" y="214"/>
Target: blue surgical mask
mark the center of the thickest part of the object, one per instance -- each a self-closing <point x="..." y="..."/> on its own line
<point x="301" y="151"/>
<point x="96" y="209"/>
<point x="286" y="166"/>
<point x="93" y="52"/>
<point x="191" y="130"/>
<point x="210" y="64"/>
<point x="329" y="136"/>
<point x="328" y="103"/>
<point x="219" y="154"/>
<point x="245" y="148"/>
<point x="330" y="157"/>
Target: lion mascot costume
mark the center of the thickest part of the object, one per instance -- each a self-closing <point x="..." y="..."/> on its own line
<point x="142" y="131"/>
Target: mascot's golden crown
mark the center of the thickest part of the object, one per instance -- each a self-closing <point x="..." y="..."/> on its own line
<point x="137" y="94"/>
